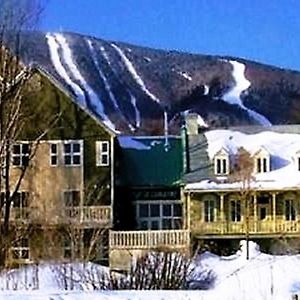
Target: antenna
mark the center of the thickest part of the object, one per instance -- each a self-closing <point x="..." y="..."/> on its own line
<point x="166" y="131"/>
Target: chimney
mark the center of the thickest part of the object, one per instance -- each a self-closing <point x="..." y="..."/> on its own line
<point x="192" y="126"/>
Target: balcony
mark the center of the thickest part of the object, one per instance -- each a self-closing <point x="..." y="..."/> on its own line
<point x="255" y="228"/>
<point x="82" y="215"/>
<point x="88" y="215"/>
<point x="147" y="239"/>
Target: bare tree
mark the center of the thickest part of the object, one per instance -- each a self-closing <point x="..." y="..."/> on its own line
<point x="16" y="16"/>
<point x="243" y="174"/>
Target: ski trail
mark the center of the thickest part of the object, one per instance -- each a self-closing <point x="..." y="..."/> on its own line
<point x="132" y="98"/>
<point x="54" y="55"/>
<point x="69" y="61"/>
<point x="234" y="95"/>
<point x="106" y="84"/>
<point x="134" y="73"/>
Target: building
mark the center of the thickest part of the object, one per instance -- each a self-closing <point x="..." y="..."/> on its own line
<point x="227" y="202"/>
<point x="65" y="199"/>
<point x="150" y="210"/>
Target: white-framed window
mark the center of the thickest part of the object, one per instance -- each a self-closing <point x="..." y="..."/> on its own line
<point x="298" y="162"/>
<point x="221" y="162"/>
<point x="262" y="165"/>
<point x="53" y="154"/>
<point x="290" y="210"/>
<point x="20" y="154"/>
<point x="71" y="198"/>
<point x="209" y="210"/>
<point x="72" y="153"/>
<point x="20" y="205"/>
<point x="102" y="153"/>
<point x="20" y="249"/>
<point x="235" y="210"/>
<point x="158" y="215"/>
<point x="221" y="167"/>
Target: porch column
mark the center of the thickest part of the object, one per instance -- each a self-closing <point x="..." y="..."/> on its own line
<point x="274" y="211"/>
<point x="222" y="215"/>
<point x="255" y="211"/>
<point x="188" y="211"/>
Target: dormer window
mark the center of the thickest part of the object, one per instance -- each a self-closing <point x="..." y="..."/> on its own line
<point x="261" y="165"/>
<point x="297" y="160"/>
<point x="221" y="162"/>
<point x="262" y="161"/>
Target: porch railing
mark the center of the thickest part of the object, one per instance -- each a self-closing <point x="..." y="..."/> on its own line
<point x="146" y="239"/>
<point x="258" y="227"/>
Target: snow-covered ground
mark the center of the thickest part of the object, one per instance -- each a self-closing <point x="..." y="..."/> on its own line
<point x="263" y="276"/>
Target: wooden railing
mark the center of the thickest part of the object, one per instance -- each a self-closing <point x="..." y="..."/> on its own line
<point x="88" y="214"/>
<point x="80" y="214"/>
<point x="258" y="227"/>
<point x="147" y="239"/>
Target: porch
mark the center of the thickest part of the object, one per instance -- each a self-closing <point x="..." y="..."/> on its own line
<point x="262" y="214"/>
<point x="272" y="228"/>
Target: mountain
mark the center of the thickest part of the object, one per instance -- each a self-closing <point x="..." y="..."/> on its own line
<point x="130" y="87"/>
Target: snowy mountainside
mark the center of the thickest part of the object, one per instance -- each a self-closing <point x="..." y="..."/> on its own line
<point x="129" y="87"/>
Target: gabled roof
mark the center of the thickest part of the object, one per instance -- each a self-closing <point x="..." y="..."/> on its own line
<point x="281" y="142"/>
<point x="144" y="161"/>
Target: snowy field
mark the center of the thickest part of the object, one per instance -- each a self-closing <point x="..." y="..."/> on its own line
<point x="263" y="276"/>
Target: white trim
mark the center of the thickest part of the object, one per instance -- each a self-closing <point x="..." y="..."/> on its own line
<point x="100" y="153"/>
<point x="21" y="154"/>
<point x="72" y="153"/>
<point x="160" y="218"/>
<point x="54" y="154"/>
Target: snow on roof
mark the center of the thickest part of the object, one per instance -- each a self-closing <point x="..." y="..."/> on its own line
<point x="282" y="147"/>
<point x="129" y="142"/>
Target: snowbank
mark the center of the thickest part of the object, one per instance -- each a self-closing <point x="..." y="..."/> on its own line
<point x="263" y="277"/>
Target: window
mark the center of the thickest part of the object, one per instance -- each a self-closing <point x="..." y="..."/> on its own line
<point x="102" y="153"/>
<point x="19" y="205"/>
<point x="235" y="210"/>
<point x="53" y="154"/>
<point x="67" y="248"/>
<point x="20" y="250"/>
<point x="158" y="215"/>
<point x="209" y="210"/>
<point x="72" y="198"/>
<point x="262" y="165"/>
<point x="72" y="153"/>
<point x="290" y="211"/>
<point x="221" y="163"/>
<point x="20" y="154"/>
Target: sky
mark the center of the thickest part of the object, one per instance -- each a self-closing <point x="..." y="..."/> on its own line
<point x="267" y="31"/>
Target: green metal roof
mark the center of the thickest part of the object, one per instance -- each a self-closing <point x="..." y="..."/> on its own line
<point x="144" y="161"/>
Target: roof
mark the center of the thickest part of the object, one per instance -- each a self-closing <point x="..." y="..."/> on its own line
<point x="282" y="142"/>
<point x="144" y="161"/>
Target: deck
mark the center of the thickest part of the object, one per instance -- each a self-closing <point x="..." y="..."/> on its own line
<point x="149" y="239"/>
<point x="81" y="215"/>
